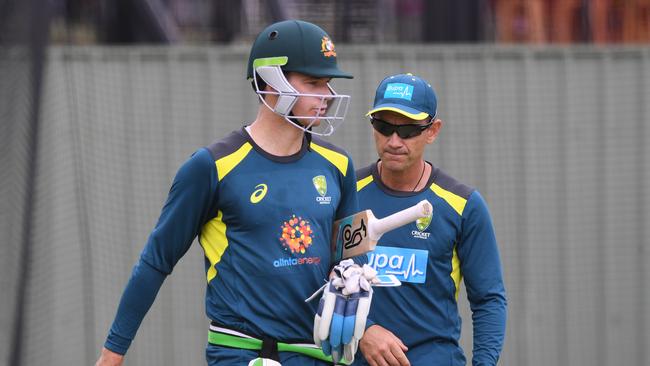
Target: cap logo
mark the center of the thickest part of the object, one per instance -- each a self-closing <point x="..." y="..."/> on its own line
<point x="399" y="91"/>
<point x="327" y="47"/>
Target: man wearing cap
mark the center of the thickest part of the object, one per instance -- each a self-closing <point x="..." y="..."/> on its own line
<point x="418" y="323"/>
<point x="262" y="202"/>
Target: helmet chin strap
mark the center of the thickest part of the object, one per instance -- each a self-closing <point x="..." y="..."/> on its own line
<point x="288" y="96"/>
<point x="329" y="129"/>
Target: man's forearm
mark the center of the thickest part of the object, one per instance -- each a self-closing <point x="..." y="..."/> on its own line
<point x="489" y="323"/>
<point x="137" y="298"/>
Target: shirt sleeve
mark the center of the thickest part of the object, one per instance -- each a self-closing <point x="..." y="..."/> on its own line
<point x="481" y="267"/>
<point x="189" y="205"/>
<point x="349" y="204"/>
<point x="187" y="208"/>
<point x="137" y="298"/>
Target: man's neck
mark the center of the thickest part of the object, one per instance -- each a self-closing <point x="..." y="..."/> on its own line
<point x="411" y="180"/>
<point x="274" y="134"/>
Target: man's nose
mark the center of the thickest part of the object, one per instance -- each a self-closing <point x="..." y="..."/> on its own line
<point x="395" y="140"/>
<point x="325" y="90"/>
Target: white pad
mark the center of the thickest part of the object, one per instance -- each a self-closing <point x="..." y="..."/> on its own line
<point x="274" y="77"/>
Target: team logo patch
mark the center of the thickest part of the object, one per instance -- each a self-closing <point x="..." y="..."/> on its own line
<point x="327" y="47"/>
<point x="259" y="193"/>
<point x="296" y="235"/>
<point x="422" y="224"/>
<point x="408" y="265"/>
<point x="320" y="183"/>
<point x="296" y="238"/>
<point x="399" y="91"/>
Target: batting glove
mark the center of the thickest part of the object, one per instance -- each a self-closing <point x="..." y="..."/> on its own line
<point x="343" y="310"/>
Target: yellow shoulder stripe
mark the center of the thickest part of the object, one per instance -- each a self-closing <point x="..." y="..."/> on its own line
<point x="229" y="162"/>
<point x="455" y="201"/>
<point x="363" y="182"/>
<point x="339" y="160"/>
<point x="456" y="276"/>
<point x="214" y="242"/>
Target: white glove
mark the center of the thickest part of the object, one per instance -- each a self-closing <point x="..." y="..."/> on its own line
<point x="343" y="310"/>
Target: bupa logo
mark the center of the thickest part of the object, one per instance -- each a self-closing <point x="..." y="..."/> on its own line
<point x="399" y="91"/>
<point x="408" y="265"/>
<point x="320" y="183"/>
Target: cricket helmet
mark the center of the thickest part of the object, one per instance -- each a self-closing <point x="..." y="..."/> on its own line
<point x="296" y="46"/>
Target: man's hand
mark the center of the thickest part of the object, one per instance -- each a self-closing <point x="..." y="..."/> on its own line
<point x="381" y="347"/>
<point x="109" y="358"/>
<point x="343" y="309"/>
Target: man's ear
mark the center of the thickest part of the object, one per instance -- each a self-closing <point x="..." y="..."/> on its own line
<point x="433" y="131"/>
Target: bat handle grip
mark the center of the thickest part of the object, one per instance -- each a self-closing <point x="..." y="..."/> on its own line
<point x="381" y="226"/>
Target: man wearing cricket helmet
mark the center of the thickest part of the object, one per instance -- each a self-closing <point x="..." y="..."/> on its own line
<point x="262" y="202"/>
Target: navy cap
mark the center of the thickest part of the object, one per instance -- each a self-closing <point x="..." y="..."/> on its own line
<point x="407" y="95"/>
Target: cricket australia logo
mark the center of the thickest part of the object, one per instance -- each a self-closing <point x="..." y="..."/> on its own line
<point x="327" y="47"/>
<point x="422" y="224"/>
<point x="320" y="183"/>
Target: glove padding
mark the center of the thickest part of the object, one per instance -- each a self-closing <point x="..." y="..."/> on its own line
<point x="343" y="310"/>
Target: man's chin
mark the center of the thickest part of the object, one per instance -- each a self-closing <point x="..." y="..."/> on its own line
<point x="393" y="162"/>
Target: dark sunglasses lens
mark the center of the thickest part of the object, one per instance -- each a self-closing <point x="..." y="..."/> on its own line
<point x="382" y="127"/>
<point x="403" y="131"/>
<point x="408" y="131"/>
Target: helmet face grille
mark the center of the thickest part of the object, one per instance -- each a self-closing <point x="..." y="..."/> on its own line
<point x="288" y="96"/>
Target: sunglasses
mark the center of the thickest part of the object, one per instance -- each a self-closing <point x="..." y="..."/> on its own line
<point x="403" y="131"/>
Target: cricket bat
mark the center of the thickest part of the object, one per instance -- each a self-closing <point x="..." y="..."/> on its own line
<point x="358" y="234"/>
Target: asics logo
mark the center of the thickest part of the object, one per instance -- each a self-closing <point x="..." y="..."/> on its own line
<point x="259" y="193"/>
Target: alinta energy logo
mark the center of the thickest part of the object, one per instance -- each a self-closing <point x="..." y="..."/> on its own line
<point x="320" y="183"/>
<point x="296" y="238"/>
<point x="422" y="224"/>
